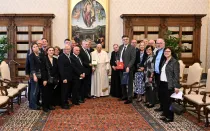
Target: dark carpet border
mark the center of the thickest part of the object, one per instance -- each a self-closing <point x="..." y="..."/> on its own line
<point x="146" y="115"/>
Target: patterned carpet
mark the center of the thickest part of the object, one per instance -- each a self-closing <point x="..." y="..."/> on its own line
<point x="102" y="114"/>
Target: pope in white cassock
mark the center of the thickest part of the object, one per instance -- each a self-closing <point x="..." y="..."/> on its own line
<point x="100" y="80"/>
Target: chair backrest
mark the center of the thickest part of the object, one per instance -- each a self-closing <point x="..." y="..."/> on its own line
<point x="5" y="71"/>
<point x="182" y="67"/>
<point x="208" y="81"/>
<point x="194" y="73"/>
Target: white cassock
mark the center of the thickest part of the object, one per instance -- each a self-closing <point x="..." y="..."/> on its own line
<point x="100" y="80"/>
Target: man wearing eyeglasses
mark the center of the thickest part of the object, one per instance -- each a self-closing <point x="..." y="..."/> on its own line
<point x="127" y="55"/>
<point x="159" y="58"/>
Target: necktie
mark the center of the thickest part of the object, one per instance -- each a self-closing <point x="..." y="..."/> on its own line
<point x="123" y="54"/>
<point x="87" y="54"/>
<point x="79" y="60"/>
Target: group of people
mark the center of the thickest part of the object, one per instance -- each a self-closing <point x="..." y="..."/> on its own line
<point x="57" y="75"/>
<point x="153" y="71"/>
<point x="77" y="72"/>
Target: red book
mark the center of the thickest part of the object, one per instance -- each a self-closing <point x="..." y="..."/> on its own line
<point x="120" y="66"/>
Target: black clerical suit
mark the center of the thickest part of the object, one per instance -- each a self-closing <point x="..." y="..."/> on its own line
<point x="86" y="60"/>
<point x="65" y="70"/>
<point x="116" y="90"/>
<point x="78" y="88"/>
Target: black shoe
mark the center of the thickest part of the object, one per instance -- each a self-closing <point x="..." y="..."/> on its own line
<point x="39" y="104"/>
<point x="168" y="120"/>
<point x="162" y="118"/>
<point x="123" y="99"/>
<point x="158" y="109"/>
<point x="45" y="110"/>
<point x="162" y="114"/>
<point x="51" y="108"/>
<point x="146" y="104"/>
<point x="77" y="103"/>
<point x="65" y="107"/>
<point x="81" y="101"/>
<point x="128" y="102"/>
<point x="150" y="106"/>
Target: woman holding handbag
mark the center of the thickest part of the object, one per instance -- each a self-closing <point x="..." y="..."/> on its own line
<point x="50" y="79"/>
<point x="36" y="62"/>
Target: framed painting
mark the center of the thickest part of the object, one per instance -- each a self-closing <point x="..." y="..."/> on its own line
<point x="89" y="19"/>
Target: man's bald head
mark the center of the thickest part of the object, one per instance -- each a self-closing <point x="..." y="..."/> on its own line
<point x="152" y="43"/>
<point x="67" y="49"/>
<point x="76" y="50"/>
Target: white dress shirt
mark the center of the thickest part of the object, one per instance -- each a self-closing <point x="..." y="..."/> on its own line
<point x="163" y="73"/>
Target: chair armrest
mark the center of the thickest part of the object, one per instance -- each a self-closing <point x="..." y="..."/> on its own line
<point x="204" y="93"/>
<point x="189" y="86"/>
<point x="3" y="90"/>
<point x="193" y="86"/>
<point x="13" y="84"/>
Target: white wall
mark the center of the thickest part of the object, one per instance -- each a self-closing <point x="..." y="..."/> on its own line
<point x="117" y="7"/>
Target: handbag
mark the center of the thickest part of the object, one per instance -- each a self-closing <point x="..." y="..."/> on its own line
<point x="177" y="108"/>
<point x="120" y="65"/>
<point x="51" y="80"/>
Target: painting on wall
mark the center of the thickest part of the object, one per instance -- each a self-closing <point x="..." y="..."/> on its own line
<point x="88" y="19"/>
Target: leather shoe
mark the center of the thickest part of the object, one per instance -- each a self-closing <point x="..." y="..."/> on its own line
<point x="150" y="106"/>
<point x="81" y="101"/>
<point x="77" y="103"/>
<point x="158" y="109"/>
<point x="45" y="110"/>
<point x="166" y="120"/>
<point x="128" y="102"/>
<point x="162" y="114"/>
<point x="65" y="107"/>
<point x="51" y="108"/>
<point x="163" y="118"/>
<point x="122" y="99"/>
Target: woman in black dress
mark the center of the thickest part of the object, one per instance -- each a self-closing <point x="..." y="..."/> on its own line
<point x="115" y="77"/>
<point x="50" y="72"/>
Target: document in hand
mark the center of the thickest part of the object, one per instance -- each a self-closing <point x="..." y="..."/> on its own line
<point x="125" y="78"/>
<point x="178" y="95"/>
<point x="94" y="62"/>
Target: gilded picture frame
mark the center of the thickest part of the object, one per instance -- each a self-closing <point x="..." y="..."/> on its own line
<point x="89" y="19"/>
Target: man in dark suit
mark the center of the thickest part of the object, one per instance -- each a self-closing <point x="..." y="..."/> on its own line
<point x="159" y="58"/>
<point x="65" y="70"/>
<point x="134" y="43"/>
<point x="78" y="94"/>
<point x="127" y="55"/>
<point x="89" y="49"/>
<point x="86" y="60"/>
<point x="66" y="42"/>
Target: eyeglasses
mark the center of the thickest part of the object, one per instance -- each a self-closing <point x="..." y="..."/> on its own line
<point x="167" y="51"/>
<point x="125" y="39"/>
<point x="158" y="43"/>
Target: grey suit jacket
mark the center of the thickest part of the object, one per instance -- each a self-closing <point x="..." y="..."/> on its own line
<point x="130" y="56"/>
